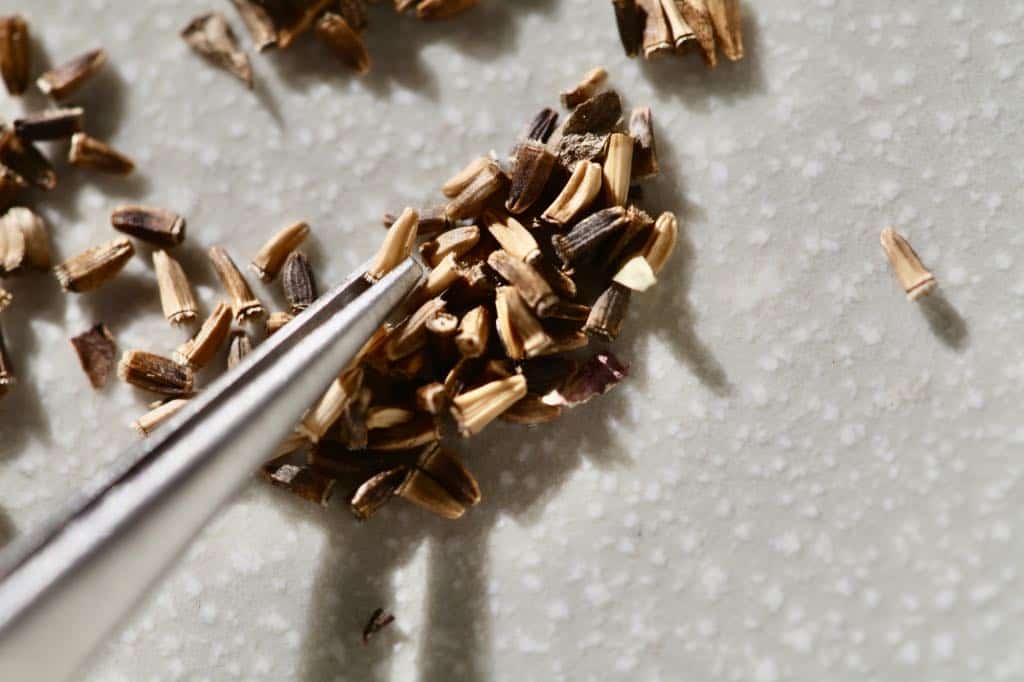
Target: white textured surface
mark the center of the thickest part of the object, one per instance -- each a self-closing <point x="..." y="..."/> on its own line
<point x="804" y="478"/>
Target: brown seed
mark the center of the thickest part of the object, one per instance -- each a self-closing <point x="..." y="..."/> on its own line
<point x="355" y="13"/>
<point x="277" y="320"/>
<point x="677" y="26"/>
<point x="443" y="325"/>
<point x="240" y="346"/>
<point x="411" y="335"/>
<point x="211" y="36"/>
<point x="432" y="221"/>
<point x="579" y="192"/>
<point x="298" y="282"/>
<point x="476" y="409"/>
<point x="608" y="312"/>
<point x="441" y="277"/>
<point x="513" y="237"/>
<point x="618" y="167"/>
<point x="377" y="491"/>
<point x="55" y="124"/>
<point x="156" y="226"/>
<point x="564" y="310"/>
<point x="598" y="115"/>
<point x="565" y="341"/>
<point x="148" y="423"/>
<point x="11" y="185"/>
<point x="422" y="490"/>
<point x="585" y="89"/>
<point x="697" y="16"/>
<point x="97" y="352"/>
<point x="638" y="226"/>
<point x="378" y="621"/>
<point x="433" y="10"/>
<point x="387" y="416"/>
<point x="259" y="23"/>
<point x="474" y="330"/>
<point x="307" y="483"/>
<point x="67" y="78"/>
<point x="662" y="241"/>
<point x="431" y="398"/>
<point x="458" y="241"/>
<point x="88" y="152"/>
<point x="588" y="234"/>
<point x="397" y="246"/>
<point x="533" y="166"/>
<point x="412" y="434"/>
<point x="273" y="254"/>
<point x="25" y="162"/>
<point x="300" y="20"/>
<point x="630" y="21"/>
<point x="176" y="297"/>
<point x="657" y="38"/>
<point x="352" y="422"/>
<point x="7" y="379"/>
<point x="541" y="126"/>
<point x="34" y="240"/>
<point x="244" y="303"/>
<point x="155" y="373"/>
<point x="916" y="279"/>
<point x="534" y="289"/>
<point x="645" y="154"/>
<point x="447" y="469"/>
<point x="94" y="267"/>
<point x="339" y="394"/>
<point x="346" y="44"/>
<point x="725" y="16"/>
<point x="518" y="328"/>
<point x="15" y="53"/>
<point x="197" y="352"/>
<point x="474" y="196"/>
<point x="532" y="410"/>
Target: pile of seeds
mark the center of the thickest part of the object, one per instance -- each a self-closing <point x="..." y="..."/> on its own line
<point x="655" y="28"/>
<point x="24" y="240"/>
<point x="277" y="24"/>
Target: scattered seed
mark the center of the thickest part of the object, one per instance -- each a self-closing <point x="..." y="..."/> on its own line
<point x="157" y="226"/>
<point x="397" y="246"/>
<point x="346" y="44"/>
<point x="15" y="53"/>
<point x="422" y="490"/>
<point x="25" y="162"/>
<point x="211" y="36"/>
<point x="476" y="409"/>
<point x="61" y="82"/>
<point x="244" y="303"/>
<point x="273" y="254"/>
<point x="581" y="189"/>
<point x="518" y="328"/>
<point x="298" y="282"/>
<point x="378" y="621"/>
<point x="533" y="166"/>
<point x="155" y="373"/>
<point x="97" y="352"/>
<point x="916" y="279"/>
<point x="259" y="23"/>
<point x="88" y="152"/>
<point x="588" y="234"/>
<point x="197" y="352"/>
<point x="471" y="200"/>
<point x="618" y="167"/>
<point x="148" y="423"/>
<point x="645" y="155"/>
<point x="34" y="242"/>
<point x="94" y="267"/>
<point x="608" y="312"/>
<point x="55" y="124"/>
<point x="303" y="481"/>
<point x="176" y="297"/>
<point x="585" y="89"/>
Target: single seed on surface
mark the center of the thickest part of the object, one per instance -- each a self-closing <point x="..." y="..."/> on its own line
<point x="97" y="352"/>
<point x="530" y="173"/>
<point x="916" y="279"/>
<point x="259" y="23"/>
<point x="94" y="267"/>
<point x="345" y="42"/>
<point x="582" y="188"/>
<point x="211" y="36"/>
<point x="304" y="481"/>
<point x="608" y="312"/>
<point x="636" y="274"/>
<point x="662" y="241"/>
<point x="275" y="251"/>
<point x="433" y="10"/>
<point x="298" y="282"/>
<point x="240" y="346"/>
<point x="677" y="26"/>
<point x="148" y="423"/>
<point x="339" y="394"/>
<point x="244" y="303"/>
<point x="67" y="78"/>
<point x="630" y="21"/>
<point x="476" y="409"/>
<point x="458" y="241"/>
<point x="34" y="239"/>
<point x="176" y="297"/>
<point x="377" y="491"/>
<point x="513" y="237"/>
<point x="645" y="153"/>
<point x="588" y="234"/>
<point x="15" y="53"/>
<point x="197" y="352"/>
<point x="88" y="152"/>
<point x="585" y="89"/>
<point x="155" y="373"/>
<point x="471" y="200"/>
<point x="157" y="226"/>
<point x="618" y="167"/>
<point x="277" y="320"/>
<point x="397" y="246"/>
<point x="697" y="16"/>
<point x="725" y="16"/>
<point x="474" y="331"/>
<point x="55" y="124"/>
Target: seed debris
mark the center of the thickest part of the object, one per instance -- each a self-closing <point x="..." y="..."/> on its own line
<point x="158" y="415"/>
<point x="211" y="36"/>
<point x="97" y="352"/>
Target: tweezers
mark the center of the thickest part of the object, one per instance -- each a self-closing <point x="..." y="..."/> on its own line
<point x="64" y="587"/>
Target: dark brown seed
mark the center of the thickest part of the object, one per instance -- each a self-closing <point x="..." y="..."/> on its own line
<point x="533" y="288"/>
<point x="378" y="621"/>
<point x="157" y="226"/>
<point x="97" y="351"/>
<point x="7" y="379"/>
<point x="344" y="41"/>
<point x="411" y="434"/>
<point x="88" y="152"/>
<point x="259" y="22"/>
<point x="585" y="89"/>
<point x="241" y="345"/>
<point x="608" y="312"/>
<point x="542" y="125"/>
<point x="377" y="491"/>
<point x="595" y="377"/>
<point x="25" y="159"/>
<point x="56" y="124"/>
<point x="472" y="199"/>
<point x="546" y="374"/>
<point x="298" y="282"/>
<point x="60" y="82"/>
<point x="11" y="185"/>
<point x="298" y="20"/>
<point x="94" y="267"/>
<point x="564" y="310"/>
<point x="533" y="166"/>
<point x="588" y="234"/>
<point x="598" y="115"/>
<point x="638" y="227"/>
<point x="645" y="153"/>
<point x="15" y="53"/>
<point x="432" y="221"/>
<point x="304" y="481"/>
<point x="433" y="10"/>
<point x="211" y="36"/>
<point x="631" y="25"/>
<point x="155" y="373"/>
<point x="532" y="410"/>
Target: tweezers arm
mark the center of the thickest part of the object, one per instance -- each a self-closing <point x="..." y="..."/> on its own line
<point x="65" y="588"/>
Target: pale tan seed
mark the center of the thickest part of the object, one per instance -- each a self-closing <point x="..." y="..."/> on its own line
<point x="916" y="279"/>
<point x="12" y="246"/>
<point x="15" y="53"/>
<point x="176" y="297"/>
<point x="88" y="152"/>
<point x="344" y="41"/>
<point x="725" y="16"/>
<point x="397" y="246"/>
<point x="211" y="36"/>
<point x="240" y="346"/>
<point x="579" y="192"/>
<point x="515" y="239"/>
<point x="62" y="81"/>
<point x="519" y="329"/>
<point x="339" y="394"/>
<point x="271" y="257"/>
<point x="662" y="242"/>
<point x="245" y="304"/>
<point x="618" y="169"/>
<point x="533" y="288"/>
<point x="197" y="352"/>
<point x="636" y="274"/>
<point x="148" y="423"/>
<point x="458" y="241"/>
<point x="94" y="267"/>
<point x="696" y="14"/>
<point x="657" y="38"/>
<point x="411" y="335"/>
<point x="474" y="196"/>
<point x="680" y="30"/>
<point x="33" y="232"/>
<point x="441" y="277"/>
<point x="585" y="89"/>
<point x="277" y="320"/>
<point x="386" y="416"/>
<point x="415" y="433"/>
<point x="475" y="409"/>
<point x="461" y="180"/>
<point x="423" y="491"/>
<point x="474" y="331"/>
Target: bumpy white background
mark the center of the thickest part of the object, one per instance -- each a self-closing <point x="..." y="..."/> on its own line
<point x="805" y="478"/>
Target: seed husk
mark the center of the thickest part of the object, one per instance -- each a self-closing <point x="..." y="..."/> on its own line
<point x="595" y="377"/>
<point x="414" y="433"/>
<point x="636" y="274"/>
<point x="725" y="16"/>
<point x="377" y="491"/>
<point x="411" y="335"/>
<point x="397" y="246"/>
<point x="55" y="124"/>
<point x="541" y="126"/>
<point x="378" y="621"/>
<point x="533" y="288"/>
<point x="155" y="373"/>
<point x="15" y="53"/>
<point x="657" y="39"/>
<point x="916" y="279"/>
<point x="339" y="394"/>
<point x="698" y="18"/>
<point x="60" y="82"/>
<point x="432" y="222"/>
<point x="157" y="226"/>
<point x="474" y="196"/>
<point x="434" y="10"/>
<point x="25" y="163"/>
<point x="7" y="379"/>
<point x="475" y="409"/>
<point x="532" y="410"/>
<point x="678" y="28"/>
<point x="197" y="352"/>
<point x="630" y="21"/>
<point x="386" y="416"/>
<point x="662" y="241"/>
<point x="345" y="42"/>
<point x="94" y="267"/>
<point x="240" y="346"/>
<point x="97" y="352"/>
<point x="533" y="165"/>
<point x="148" y="423"/>
<point x="645" y="154"/>
<point x="244" y="303"/>
<point x="474" y="331"/>
<point x="88" y="152"/>
<point x="34" y="240"/>
<point x="431" y="398"/>
<point x="276" y="320"/>
<point x="259" y="23"/>
<point x="268" y="261"/>
<point x="598" y="115"/>
<point x="579" y="192"/>
<point x="458" y="241"/>
<point x="304" y="481"/>
<point x="585" y="89"/>
<point x="298" y="282"/>
<point x="608" y="312"/>
<point x="211" y="36"/>
<point x="588" y="234"/>
<point x="176" y="297"/>
<point x="618" y="167"/>
<point x="11" y="185"/>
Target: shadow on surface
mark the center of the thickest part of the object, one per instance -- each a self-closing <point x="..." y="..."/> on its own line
<point x="946" y="323"/>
